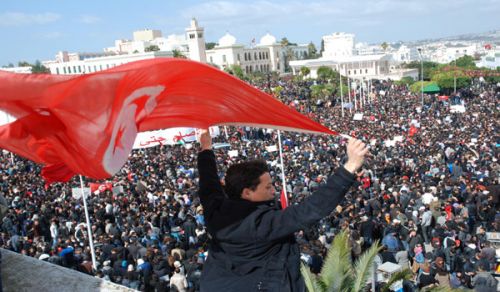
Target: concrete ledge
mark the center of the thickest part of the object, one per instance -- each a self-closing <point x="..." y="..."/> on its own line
<point x="21" y="273"/>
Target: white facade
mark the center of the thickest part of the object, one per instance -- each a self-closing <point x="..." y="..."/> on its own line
<point x="91" y="65"/>
<point x="357" y="67"/>
<point x="491" y="60"/>
<point x="24" y="70"/>
<point x="265" y="57"/>
<point x="338" y="45"/>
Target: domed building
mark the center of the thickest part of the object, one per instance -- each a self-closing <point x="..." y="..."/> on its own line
<point x="265" y="57"/>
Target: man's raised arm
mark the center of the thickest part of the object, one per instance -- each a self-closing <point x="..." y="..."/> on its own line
<point x="210" y="186"/>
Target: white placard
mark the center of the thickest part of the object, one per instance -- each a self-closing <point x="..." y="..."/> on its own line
<point x="77" y="193"/>
<point x="170" y="136"/>
<point x="358" y="117"/>
<point x="272" y="148"/>
<point x="233" y="153"/>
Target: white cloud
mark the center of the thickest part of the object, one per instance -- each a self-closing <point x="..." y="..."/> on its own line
<point x="20" y="19"/>
<point x="89" y="19"/>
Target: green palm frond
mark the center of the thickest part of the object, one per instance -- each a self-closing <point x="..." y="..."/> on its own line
<point x="310" y="279"/>
<point x="364" y="266"/>
<point x="337" y="265"/>
<point x="405" y="274"/>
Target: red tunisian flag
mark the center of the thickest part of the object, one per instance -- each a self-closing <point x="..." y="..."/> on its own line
<point x="87" y="124"/>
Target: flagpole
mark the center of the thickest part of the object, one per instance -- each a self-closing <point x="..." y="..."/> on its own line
<point x="282" y="167"/>
<point x="349" y="90"/>
<point x="341" y="93"/>
<point x="89" y="228"/>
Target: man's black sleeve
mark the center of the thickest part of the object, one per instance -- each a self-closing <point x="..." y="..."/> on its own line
<point x="274" y="224"/>
<point x="211" y="193"/>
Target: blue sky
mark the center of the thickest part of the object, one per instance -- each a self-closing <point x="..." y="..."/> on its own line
<point x="32" y="30"/>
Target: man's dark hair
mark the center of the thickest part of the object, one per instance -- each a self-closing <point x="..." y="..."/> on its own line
<point x="244" y="175"/>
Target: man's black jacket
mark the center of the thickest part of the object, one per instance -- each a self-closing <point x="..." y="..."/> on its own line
<point x="253" y="245"/>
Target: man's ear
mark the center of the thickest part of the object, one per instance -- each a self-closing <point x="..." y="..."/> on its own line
<point x="246" y="194"/>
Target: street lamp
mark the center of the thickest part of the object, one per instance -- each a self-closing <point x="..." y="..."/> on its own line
<point x="421" y="77"/>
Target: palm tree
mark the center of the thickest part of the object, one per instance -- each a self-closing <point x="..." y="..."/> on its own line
<point x="339" y="273"/>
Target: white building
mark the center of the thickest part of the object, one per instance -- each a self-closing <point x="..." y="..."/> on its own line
<point x="90" y="65"/>
<point x="339" y="54"/>
<point x="338" y="45"/>
<point x="25" y="70"/>
<point x="265" y="57"/>
<point x="491" y="60"/>
<point x="125" y="51"/>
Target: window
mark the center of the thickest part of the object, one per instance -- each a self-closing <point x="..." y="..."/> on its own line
<point x="191" y="35"/>
<point x="245" y="55"/>
<point x="95" y="68"/>
<point x="79" y="69"/>
<point x="366" y="71"/>
<point x="238" y="57"/>
<point x="349" y="72"/>
<point x="57" y="70"/>
<point x="69" y="69"/>
<point x="89" y="70"/>
<point x="354" y="72"/>
<point x="255" y="56"/>
<point x="224" y="58"/>
<point x="200" y="35"/>
<point x="64" y="70"/>
<point x="100" y="67"/>
<point x="260" y="56"/>
<point x="211" y="59"/>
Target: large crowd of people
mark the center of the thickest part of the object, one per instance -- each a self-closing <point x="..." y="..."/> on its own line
<point x="429" y="193"/>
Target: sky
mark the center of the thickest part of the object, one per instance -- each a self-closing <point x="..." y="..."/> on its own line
<point x="36" y="30"/>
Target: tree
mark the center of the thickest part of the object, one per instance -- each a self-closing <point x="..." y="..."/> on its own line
<point x="311" y="50"/>
<point x="338" y="272"/>
<point x="305" y="71"/>
<point x="465" y="62"/>
<point x="23" y="64"/>
<point x="384" y="46"/>
<point x="38" y="68"/>
<point x="322" y="91"/>
<point x="446" y="80"/>
<point x="152" y="48"/>
<point x="324" y="73"/>
<point x="405" y="81"/>
<point x="178" y="54"/>
<point x="235" y="70"/>
<point x="429" y="68"/>
<point x="210" y="45"/>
